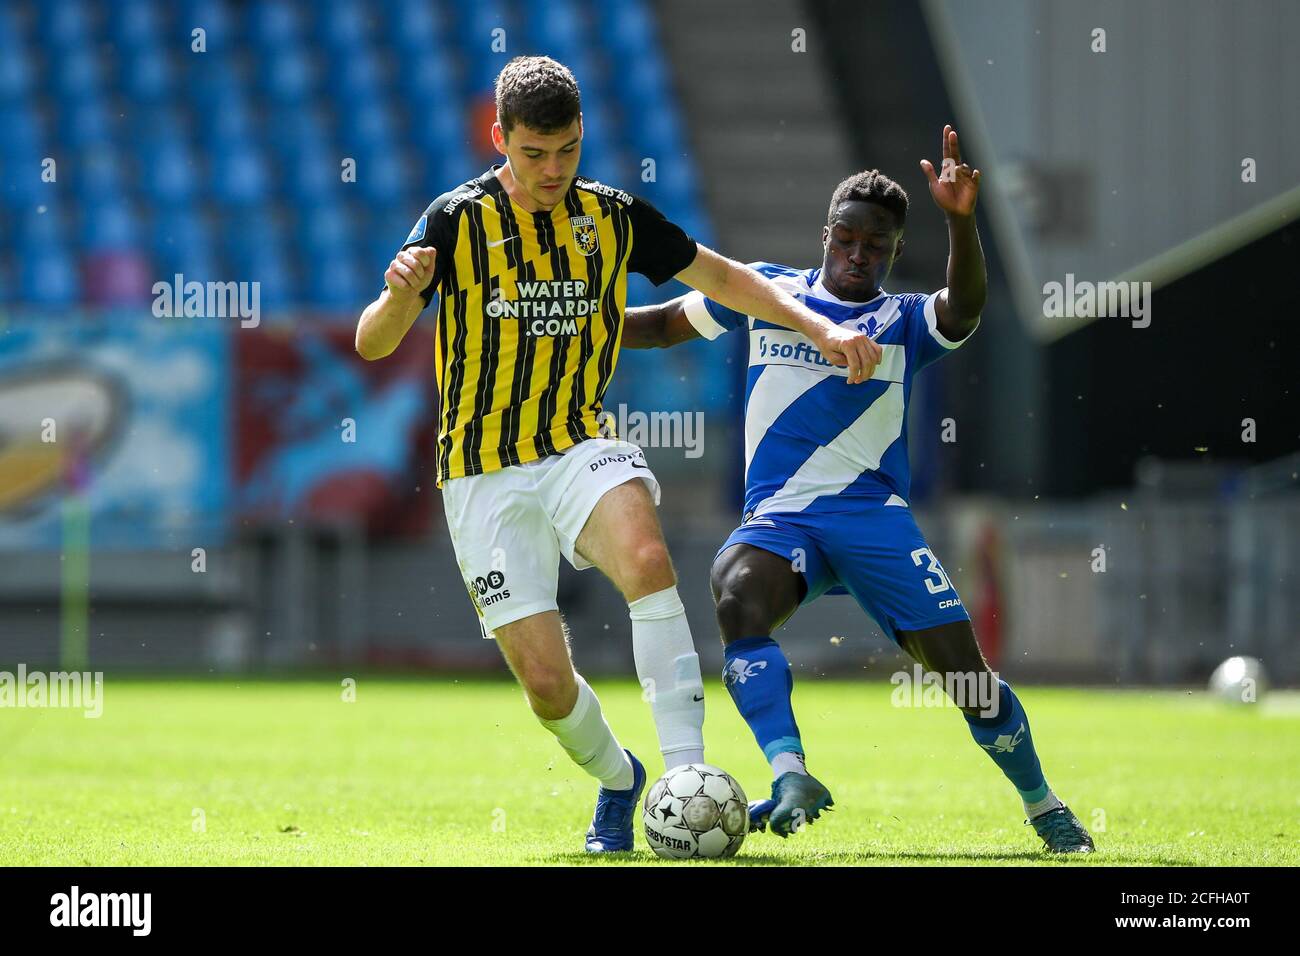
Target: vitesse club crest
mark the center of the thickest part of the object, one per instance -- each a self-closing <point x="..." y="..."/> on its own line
<point x="584" y="234"/>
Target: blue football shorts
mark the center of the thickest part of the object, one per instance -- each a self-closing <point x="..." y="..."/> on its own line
<point x="876" y="553"/>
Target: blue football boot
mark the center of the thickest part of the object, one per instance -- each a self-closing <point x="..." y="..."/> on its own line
<point x="797" y="798"/>
<point x="612" y="825"/>
<point x="1062" y="832"/>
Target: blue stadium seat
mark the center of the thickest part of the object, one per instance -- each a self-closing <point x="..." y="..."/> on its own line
<point x="432" y="82"/>
<point x="173" y="172"/>
<point x="49" y="276"/>
<point x="627" y="28"/>
<point x="231" y="127"/>
<point x="78" y="74"/>
<point x="276" y="25"/>
<point x="313" y="177"/>
<point x="111" y="225"/>
<point x="291" y="76"/>
<point x="293" y="130"/>
<point x="276" y="277"/>
<point x="369" y="126"/>
<point x="45" y="224"/>
<point x="101" y="176"/>
<point x="255" y="247"/>
<point x="21" y="186"/>
<point x="149" y="77"/>
<point x="423" y="27"/>
<point x="149" y="130"/>
<point x="474" y="25"/>
<point x="87" y="126"/>
<point x="339" y="284"/>
<point x="183" y="242"/>
<point x="23" y="133"/>
<point x="382" y="176"/>
<point x="68" y="25"/>
<point x="348" y="25"/>
<point x="17" y="76"/>
<point x="241" y="177"/>
<point x="213" y="17"/>
<point x="136" y="27"/>
<point x="324" y="229"/>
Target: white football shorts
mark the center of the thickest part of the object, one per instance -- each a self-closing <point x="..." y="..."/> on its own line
<point x="509" y="527"/>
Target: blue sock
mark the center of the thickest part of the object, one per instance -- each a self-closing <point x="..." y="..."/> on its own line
<point x="1007" y="740"/>
<point x="758" y="677"/>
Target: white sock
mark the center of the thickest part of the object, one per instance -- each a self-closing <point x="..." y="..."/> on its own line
<point x="669" y="671"/>
<point x="788" y="762"/>
<point x="1039" y="807"/>
<point x="587" y="739"/>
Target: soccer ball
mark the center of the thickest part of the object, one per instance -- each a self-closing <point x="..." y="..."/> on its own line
<point x="695" y="812"/>
<point x="1239" y="680"/>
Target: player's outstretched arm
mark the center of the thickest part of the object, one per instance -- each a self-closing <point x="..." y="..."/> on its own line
<point x="385" y="322"/>
<point x="728" y="282"/>
<point x="658" y="326"/>
<point x="955" y="190"/>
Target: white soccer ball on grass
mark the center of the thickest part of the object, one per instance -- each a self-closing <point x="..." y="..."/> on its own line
<point x="695" y="811"/>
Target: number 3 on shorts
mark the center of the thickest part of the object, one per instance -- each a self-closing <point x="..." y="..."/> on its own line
<point x="934" y="569"/>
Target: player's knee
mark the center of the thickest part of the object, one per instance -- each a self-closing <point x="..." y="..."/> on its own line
<point x="551" y="691"/>
<point x="738" y="601"/>
<point x="647" y="568"/>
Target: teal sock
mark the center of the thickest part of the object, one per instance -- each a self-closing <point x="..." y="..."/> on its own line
<point x="758" y="677"/>
<point x="1005" y="737"/>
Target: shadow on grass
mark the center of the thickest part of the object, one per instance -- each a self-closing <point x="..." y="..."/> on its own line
<point x="861" y="857"/>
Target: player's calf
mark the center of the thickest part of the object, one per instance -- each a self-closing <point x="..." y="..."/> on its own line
<point x="538" y="655"/>
<point x="754" y="591"/>
<point x="622" y="537"/>
<point x="998" y="724"/>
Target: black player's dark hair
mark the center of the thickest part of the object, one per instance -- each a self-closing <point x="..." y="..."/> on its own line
<point x="538" y="92"/>
<point x="870" y="185"/>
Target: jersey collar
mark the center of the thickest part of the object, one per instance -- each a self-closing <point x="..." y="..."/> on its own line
<point x="495" y="187"/>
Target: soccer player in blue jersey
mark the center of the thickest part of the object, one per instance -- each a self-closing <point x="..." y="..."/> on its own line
<point x="826" y="487"/>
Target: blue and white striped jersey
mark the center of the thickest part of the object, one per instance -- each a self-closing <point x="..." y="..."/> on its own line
<point x="813" y="442"/>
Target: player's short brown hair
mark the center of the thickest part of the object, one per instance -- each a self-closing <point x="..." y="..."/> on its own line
<point x="537" y="91"/>
<point x="870" y="185"/>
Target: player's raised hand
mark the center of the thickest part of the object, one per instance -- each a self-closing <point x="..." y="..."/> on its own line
<point x="956" y="186"/>
<point x="852" y="350"/>
<point x="411" y="271"/>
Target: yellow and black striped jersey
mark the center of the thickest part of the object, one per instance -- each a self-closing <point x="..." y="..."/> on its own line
<point x="531" y="313"/>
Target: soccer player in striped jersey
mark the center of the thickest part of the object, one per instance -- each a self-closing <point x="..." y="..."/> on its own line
<point x="826" y="487"/>
<point x="530" y="262"/>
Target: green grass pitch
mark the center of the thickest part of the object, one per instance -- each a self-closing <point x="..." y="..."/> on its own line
<point x="439" y="771"/>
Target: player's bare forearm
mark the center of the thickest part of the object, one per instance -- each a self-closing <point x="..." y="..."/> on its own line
<point x="384" y="324"/>
<point x="957" y="308"/>
<point x="658" y="326"/>
<point x="745" y="291"/>
<point x="729" y="283"/>
<point x="967" y="280"/>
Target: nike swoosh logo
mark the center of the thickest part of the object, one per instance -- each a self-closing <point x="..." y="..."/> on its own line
<point x="639" y="465"/>
<point x="500" y="242"/>
<point x="698" y="698"/>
